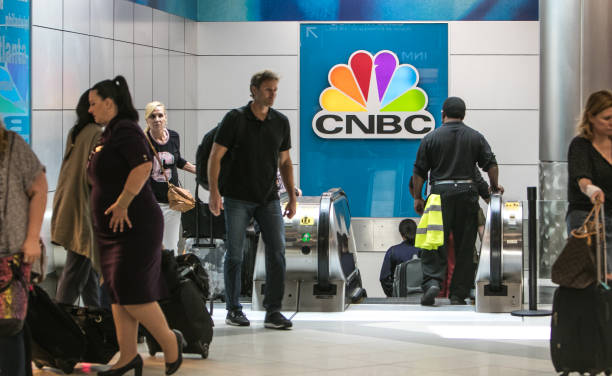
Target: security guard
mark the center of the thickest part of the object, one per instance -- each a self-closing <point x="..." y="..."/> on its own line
<point x="449" y="155"/>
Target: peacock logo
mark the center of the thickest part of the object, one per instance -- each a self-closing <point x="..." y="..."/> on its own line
<point x="373" y="97"/>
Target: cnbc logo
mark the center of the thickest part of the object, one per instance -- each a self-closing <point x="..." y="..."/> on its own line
<point x="373" y="97"/>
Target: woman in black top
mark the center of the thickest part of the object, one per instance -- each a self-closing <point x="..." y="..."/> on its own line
<point x="590" y="165"/>
<point x="168" y="146"/>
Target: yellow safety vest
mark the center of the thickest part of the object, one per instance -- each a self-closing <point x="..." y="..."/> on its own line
<point x="430" y="231"/>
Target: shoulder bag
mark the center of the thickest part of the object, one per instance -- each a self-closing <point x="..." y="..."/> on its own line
<point x="179" y="199"/>
<point x="576" y="266"/>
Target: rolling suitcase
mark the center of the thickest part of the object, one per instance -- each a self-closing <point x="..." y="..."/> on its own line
<point x="185" y="309"/>
<point x="581" y="325"/>
<point x="57" y="341"/>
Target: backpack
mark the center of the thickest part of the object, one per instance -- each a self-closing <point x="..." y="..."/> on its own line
<point x="407" y="278"/>
<point x="202" y="155"/>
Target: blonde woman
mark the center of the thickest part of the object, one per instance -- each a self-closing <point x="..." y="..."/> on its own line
<point x="168" y="147"/>
<point x="589" y="163"/>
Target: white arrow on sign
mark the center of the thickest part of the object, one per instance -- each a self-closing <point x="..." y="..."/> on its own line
<point x="309" y="31"/>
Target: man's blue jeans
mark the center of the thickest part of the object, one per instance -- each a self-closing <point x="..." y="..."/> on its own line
<point x="238" y="215"/>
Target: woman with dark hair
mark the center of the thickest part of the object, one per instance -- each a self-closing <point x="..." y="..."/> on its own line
<point x="129" y="228"/>
<point x="589" y="163"/>
<point x="399" y="253"/>
<point x="71" y="221"/>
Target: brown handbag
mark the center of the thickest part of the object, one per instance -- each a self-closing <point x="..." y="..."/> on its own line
<point x="179" y="199"/>
<point x="576" y="266"/>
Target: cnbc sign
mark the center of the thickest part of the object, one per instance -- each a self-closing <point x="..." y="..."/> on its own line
<point x="373" y="97"/>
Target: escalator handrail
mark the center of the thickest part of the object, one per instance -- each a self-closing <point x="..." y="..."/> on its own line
<point x="495" y="206"/>
<point x="327" y="199"/>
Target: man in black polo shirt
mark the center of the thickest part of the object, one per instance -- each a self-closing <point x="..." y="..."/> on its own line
<point x="449" y="155"/>
<point x="257" y="141"/>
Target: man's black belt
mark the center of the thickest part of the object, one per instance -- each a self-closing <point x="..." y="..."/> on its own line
<point x="464" y="181"/>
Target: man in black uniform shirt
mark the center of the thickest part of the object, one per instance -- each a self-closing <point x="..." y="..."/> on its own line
<point x="449" y="154"/>
<point x="256" y="139"/>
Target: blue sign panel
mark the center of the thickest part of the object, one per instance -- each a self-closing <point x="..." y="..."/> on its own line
<point x="367" y="10"/>
<point x="182" y="8"/>
<point x="368" y="94"/>
<point x="15" y="65"/>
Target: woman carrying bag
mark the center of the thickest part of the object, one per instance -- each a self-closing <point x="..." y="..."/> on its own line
<point x="23" y="198"/>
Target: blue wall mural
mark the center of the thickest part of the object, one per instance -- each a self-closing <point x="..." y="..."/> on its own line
<point x="182" y="8"/>
<point x="15" y="65"/>
<point x="367" y="10"/>
<point x="387" y="82"/>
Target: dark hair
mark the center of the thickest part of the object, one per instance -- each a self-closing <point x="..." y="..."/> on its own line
<point x="260" y="77"/>
<point x="407" y="229"/>
<point x="83" y="115"/>
<point x="117" y="90"/>
<point x="454" y="107"/>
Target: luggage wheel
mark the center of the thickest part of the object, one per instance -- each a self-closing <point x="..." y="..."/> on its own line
<point x="204" y="349"/>
<point x="38" y="365"/>
<point x="152" y="346"/>
<point x="66" y="366"/>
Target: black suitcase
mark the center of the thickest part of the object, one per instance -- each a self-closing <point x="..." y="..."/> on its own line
<point x="57" y="341"/>
<point x="581" y="325"/>
<point x="581" y="330"/>
<point x="99" y="328"/>
<point x="186" y="311"/>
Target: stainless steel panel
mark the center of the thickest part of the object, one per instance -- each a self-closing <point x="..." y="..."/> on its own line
<point x="160" y="29"/>
<point x="47" y="13"/>
<point x="143" y="76"/>
<point x="596" y="46"/>
<point x="124" y="62"/>
<point x="47" y="142"/>
<point x="176" y="33"/>
<point x="161" y="72"/>
<point x="124" y="21"/>
<point x="101" y="18"/>
<point x="386" y="233"/>
<point x="512" y="262"/>
<point x="191" y="82"/>
<point x="191" y="36"/>
<point x="76" y="68"/>
<point x="46" y="68"/>
<point x="76" y="16"/>
<point x="560" y="72"/>
<point x="177" y="80"/>
<point x="101" y="53"/>
<point x="143" y="25"/>
<point x="363" y="231"/>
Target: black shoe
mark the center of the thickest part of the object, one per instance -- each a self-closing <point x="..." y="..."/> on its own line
<point x="455" y="300"/>
<point x="429" y="296"/>
<point x="236" y="318"/>
<point x="180" y="342"/>
<point x="135" y="364"/>
<point x="276" y="320"/>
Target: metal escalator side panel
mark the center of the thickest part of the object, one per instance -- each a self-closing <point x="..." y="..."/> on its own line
<point x="496" y="243"/>
<point x="512" y="242"/>
<point x="323" y="240"/>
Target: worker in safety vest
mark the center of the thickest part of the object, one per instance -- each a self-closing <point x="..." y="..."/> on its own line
<point x="448" y="155"/>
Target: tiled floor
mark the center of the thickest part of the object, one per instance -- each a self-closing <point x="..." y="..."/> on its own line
<point x="371" y="339"/>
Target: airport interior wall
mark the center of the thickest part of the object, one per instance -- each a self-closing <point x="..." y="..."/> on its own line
<point x="200" y="70"/>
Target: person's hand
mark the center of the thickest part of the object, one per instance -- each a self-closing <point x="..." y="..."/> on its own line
<point x="290" y="208"/>
<point x="595" y="194"/>
<point x="215" y="204"/>
<point x="31" y="250"/>
<point x="499" y="189"/>
<point x="119" y="217"/>
<point x="298" y="192"/>
<point x="419" y="206"/>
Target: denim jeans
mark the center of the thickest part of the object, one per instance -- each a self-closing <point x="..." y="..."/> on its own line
<point x="238" y="215"/>
<point x="575" y="218"/>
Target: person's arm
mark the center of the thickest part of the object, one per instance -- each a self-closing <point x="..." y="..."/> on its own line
<point x="419" y="203"/>
<point x="493" y="173"/>
<point x="214" y="167"/>
<point x="286" y="170"/>
<point x="189" y="167"/>
<point x="593" y="192"/>
<point x="37" y="194"/>
<point x="136" y="179"/>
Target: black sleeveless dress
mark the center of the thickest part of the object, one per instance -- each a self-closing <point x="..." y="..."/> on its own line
<point x="130" y="260"/>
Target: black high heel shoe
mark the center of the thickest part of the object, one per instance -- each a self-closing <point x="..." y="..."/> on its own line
<point x="171" y="368"/>
<point x="135" y="364"/>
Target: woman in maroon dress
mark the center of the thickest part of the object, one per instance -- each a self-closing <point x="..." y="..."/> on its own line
<point x="129" y="227"/>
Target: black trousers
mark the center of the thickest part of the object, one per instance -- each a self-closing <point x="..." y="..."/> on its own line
<point x="78" y="279"/>
<point x="460" y="217"/>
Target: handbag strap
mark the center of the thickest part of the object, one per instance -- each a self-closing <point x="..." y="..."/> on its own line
<point x="161" y="165"/>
